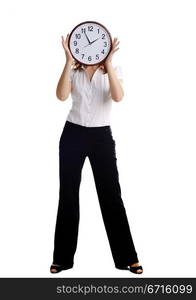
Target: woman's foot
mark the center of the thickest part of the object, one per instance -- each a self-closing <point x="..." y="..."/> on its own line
<point x="53" y="269"/>
<point x="136" y="268"/>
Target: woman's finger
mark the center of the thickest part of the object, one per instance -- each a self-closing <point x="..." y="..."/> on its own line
<point x="116" y="44"/>
<point x="113" y="48"/>
<point x="116" y="50"/>
<point x="112" y="52"/>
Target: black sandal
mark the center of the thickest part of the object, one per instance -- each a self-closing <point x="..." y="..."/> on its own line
<point x="59" y="268"/>
<point x="135" y="269"/>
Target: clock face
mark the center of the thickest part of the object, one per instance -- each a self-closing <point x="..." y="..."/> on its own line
<point x="90" y="43"/>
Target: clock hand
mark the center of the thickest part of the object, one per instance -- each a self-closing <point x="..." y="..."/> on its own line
<point x="95" y="40"/>
<point x="92" y="42"/>
<point x="87" y="37"/>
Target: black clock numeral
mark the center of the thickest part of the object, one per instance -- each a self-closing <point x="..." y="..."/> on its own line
<point x="103" y="36"/>
<point x="103" y="51"/>
<point x="78" y="35"/>
<point x="97" y="56"/>
<point x="90" y="28"/>
<point x="89" y="58"/>
<point x="77" y="50"/>
<point x="75" y="43"/>
<point x="98" y="30"/>
<point x="105" y="44"/>
<point x="83" y="30"/>
<point x="82" y="55"/>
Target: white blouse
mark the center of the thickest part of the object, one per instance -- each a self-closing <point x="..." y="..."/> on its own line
<point x="91" y="99"/>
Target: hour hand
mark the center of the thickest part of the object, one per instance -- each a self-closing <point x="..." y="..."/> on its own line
<point x="95" y="40"/>
<point x="92" y="42"/>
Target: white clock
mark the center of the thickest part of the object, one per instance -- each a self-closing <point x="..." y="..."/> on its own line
<point x="90" y="43"/>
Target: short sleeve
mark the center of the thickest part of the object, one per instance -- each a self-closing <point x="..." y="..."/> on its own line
<point x="119" y="72"/>
<point x="71" y="75"/>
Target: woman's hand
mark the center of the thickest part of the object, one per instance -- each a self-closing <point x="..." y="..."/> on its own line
<point x="69" y="57"/>
<point x="115" y="44"/>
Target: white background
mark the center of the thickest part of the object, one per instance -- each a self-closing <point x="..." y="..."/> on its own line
<point x="154" y="128"/>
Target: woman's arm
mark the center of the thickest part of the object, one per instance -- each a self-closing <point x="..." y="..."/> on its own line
<point x="64" y="84"/>
<point x="116" y="88"/>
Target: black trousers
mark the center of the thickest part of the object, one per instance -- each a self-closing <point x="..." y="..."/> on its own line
<point x="76" y="143"/>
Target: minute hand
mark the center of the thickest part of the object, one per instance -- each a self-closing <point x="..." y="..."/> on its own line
<point x="87" y="38"/>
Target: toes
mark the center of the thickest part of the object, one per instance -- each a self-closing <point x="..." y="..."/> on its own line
<point x="139" y="271"/>
<point x="53" y="270"/>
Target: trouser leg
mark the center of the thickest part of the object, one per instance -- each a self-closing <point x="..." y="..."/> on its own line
<point x="104" y="165"/>
<point x="71" y="160"/>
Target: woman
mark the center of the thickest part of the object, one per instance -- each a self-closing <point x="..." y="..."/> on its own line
<point x="87" y="132"/>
